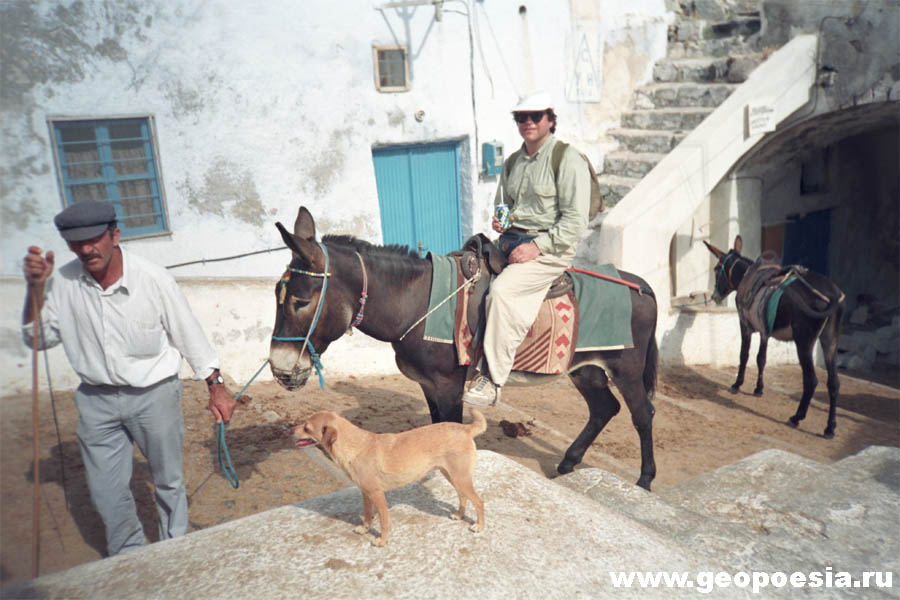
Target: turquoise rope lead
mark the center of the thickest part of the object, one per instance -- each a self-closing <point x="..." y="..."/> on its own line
<point x="222" y="449"/>
<point x="230" y="474"/>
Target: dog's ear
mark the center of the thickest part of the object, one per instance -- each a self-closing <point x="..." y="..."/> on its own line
<point x="329" y="436"/>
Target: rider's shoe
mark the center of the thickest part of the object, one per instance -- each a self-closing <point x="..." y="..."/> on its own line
<point x="483" y="392"/>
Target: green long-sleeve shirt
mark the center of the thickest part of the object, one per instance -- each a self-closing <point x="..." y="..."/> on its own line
<point x="537" y="202"/>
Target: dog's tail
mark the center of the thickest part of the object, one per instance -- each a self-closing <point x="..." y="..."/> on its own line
<point x="478" y="424"/>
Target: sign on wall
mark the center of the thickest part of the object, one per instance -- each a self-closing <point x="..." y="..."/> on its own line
<point x="585" y="74"/>
<point x="760" y="116"/>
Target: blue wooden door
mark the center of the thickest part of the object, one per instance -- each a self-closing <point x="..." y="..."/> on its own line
<point x="418" y="196"/>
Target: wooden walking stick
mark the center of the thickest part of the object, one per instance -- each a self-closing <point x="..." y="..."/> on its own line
<point x="35" y="519"/>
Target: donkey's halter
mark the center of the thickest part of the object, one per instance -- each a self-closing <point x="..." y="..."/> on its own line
<point x="286" y="277"/>
<point x="313" y="355"/>
<point x="723" y="264"/>
<point x="358" y="319"/>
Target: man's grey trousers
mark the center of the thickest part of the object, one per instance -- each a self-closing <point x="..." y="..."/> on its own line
<point x="111" y="420"/>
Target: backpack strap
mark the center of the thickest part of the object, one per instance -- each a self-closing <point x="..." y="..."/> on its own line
<point x="556" y="158"/>
<point x="507" y="169"/>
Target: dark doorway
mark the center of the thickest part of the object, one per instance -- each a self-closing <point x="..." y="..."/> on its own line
<point x="806" y="240"/>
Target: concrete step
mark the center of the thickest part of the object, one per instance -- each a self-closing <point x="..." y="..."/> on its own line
<point x="541" y="539"/>
<point x="631" y="164"/>
<point x="739" y="548"/>
<point x="672" y="119"/>
<point x="716" y="10"/>
<point x="735" y="28"/>
<point x="614" y="188"/>
<point x="646" y="140"/>
<point x="875" y="465"/>
<point x="775" y="511"/>
<point x="693" y="38"/>
<point x="681" y="95"/>
<point x="706" y="69"/>
<point x="800" y="506"/>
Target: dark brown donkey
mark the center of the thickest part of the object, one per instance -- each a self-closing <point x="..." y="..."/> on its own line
<point x="317" y="304"/>
<point x="810" y="308"/>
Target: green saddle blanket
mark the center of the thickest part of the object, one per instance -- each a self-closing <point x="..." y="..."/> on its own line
<point x="604" y="307"/>
<point x="604" y="310"/>
<point x="439" y="324"/>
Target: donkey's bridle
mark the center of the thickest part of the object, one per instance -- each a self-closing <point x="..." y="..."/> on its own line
<point x="358" y="319"/>
<point x="314" y="356"/>
<point x="723" y="263"/>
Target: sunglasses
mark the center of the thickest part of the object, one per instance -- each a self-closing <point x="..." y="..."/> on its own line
<point x="535" y="116"/>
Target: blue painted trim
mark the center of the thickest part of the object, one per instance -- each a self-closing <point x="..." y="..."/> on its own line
<point x="109" y="178"/>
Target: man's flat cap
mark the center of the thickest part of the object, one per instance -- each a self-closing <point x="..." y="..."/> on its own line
<point x="84" y="220"/>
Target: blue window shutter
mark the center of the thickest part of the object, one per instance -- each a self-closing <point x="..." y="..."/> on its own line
<point x="113" y="160"/>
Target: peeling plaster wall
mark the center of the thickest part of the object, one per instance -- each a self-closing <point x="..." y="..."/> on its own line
<point x="259" y="107"/>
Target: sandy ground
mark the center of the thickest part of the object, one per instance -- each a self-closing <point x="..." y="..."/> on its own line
<point x="699" y="426"/>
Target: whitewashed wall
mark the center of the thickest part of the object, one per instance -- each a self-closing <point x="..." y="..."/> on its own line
<point x="262" y="106"/>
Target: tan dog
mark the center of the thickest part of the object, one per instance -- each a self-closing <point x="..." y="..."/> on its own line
<point x="380" y="462"/>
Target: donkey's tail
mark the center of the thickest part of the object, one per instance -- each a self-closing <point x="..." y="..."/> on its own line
<point x="650" y="364"/>
<point x="478" y="424"/>
<point x="834" y="302"/>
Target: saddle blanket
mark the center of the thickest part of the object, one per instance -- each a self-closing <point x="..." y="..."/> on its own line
<point x="445" y="277"/>
<point x="559" y="330"/>
<point x="548" y="346"/>
<point x="760" y="291"/>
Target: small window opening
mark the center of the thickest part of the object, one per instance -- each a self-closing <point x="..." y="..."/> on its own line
<point x="391" y="69"/>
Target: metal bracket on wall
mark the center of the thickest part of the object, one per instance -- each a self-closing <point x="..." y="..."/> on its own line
<point x="438" y="6"/>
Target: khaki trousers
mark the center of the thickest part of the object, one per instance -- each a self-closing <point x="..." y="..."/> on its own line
<point x="512" y="306"/>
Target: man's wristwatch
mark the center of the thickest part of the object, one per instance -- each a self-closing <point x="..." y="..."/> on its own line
<point x="215" y="378"/>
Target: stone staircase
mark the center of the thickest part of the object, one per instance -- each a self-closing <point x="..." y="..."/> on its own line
<point x="712" y="49"/>
<point x="772" y="512"/>
<point x="776" y="511"/>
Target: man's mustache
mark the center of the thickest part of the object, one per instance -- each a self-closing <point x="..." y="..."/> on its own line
<point x="87" y="257"/>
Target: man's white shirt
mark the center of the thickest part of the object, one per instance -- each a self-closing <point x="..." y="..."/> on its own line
<point x="134" y="333"/>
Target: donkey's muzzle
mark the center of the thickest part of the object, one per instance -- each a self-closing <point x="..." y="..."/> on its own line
<point x="292" y="379"/>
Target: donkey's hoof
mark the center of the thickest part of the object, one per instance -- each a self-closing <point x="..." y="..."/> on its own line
<point x="829" y="434"/>
<point x="757" y="392"/>
<point x="794" y="422"/>
<point x="565" y="467"/>
<point x="734" y="389"/>
<point x="644" y="482"/>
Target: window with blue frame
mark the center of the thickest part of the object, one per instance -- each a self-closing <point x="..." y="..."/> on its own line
<point x="113" y="160"/>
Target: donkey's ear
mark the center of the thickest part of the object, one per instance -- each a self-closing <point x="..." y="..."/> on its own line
<point x="308" y="251"/>
<point x="305" y="225"/>
<point x="719" y="254"/>
<point x="738" y="244"/>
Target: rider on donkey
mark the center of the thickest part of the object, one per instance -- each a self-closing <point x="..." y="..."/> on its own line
<point x="549" y="207"/>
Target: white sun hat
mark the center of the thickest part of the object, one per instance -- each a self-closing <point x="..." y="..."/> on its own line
<point x="534" y="101"/>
